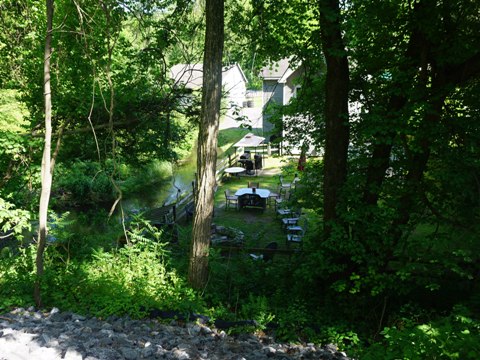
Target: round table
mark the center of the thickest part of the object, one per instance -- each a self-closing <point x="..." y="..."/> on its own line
<point x="234" y="170"/>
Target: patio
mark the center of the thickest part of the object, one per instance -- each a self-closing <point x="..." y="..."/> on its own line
<point x="261" y="225"/>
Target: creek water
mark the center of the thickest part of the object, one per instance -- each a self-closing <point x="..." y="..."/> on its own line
<point x="167" y="191"/>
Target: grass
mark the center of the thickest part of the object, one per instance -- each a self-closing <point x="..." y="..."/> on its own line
<point x="228" y="137"/>
<point x="260" y="227"/>
<point x="12" y="112"/>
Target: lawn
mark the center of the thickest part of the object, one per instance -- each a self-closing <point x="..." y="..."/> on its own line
<point x="259" y="226"/>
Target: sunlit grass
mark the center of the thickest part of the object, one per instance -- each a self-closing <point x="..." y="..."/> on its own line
<point x="12" y="112"/>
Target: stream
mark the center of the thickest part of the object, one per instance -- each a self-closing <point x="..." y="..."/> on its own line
<point x="167" y="191"/>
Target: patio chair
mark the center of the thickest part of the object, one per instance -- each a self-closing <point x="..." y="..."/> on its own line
<point x="281" y="199"/>
<point x="296" y="233"/>
<point x="249" y="168"/>
<point x="252" y="184"/>
<point x="273" y="197"/>
<point x="291" y="219"/>
<point x="282" y="209"/>
<point x="284" y="186"/>
<point x="230" y="199"/>
<point x="268" y="255"/>
<point x="258" y="161"/>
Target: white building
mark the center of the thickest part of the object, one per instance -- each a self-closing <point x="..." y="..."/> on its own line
<point x="234" y="82"/>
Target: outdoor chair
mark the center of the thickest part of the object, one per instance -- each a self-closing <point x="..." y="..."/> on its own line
<point x="230" y="199"/>
<point x="284" y="211"/>
<point x="273" y="197"/>
<point x="291" y="219"/>
<point x="252" y="184"/>
<point x="258" y="161"/>
<point x="251" y="201"/>
<point x="267" y="255"/>
<point x="281" y="200"/>
<point x="284" y="186"/>
<point x="296" y="233"/>
<point x="249" y="167"/>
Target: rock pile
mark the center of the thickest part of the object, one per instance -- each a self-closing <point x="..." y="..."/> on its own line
<point x="32" y="334"/>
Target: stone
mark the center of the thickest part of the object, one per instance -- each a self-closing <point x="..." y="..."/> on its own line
<point x="55" y="335"/>
<point x="128" y="353"/>
<point x="180" y="354"/>
<point x="54" y="311"/>
<point x="76" y="317"/>
<point x="269" y="351"/>
<point x="72" y="354"/>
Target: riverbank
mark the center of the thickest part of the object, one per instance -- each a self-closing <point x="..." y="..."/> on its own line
<point x="51" y="335"/>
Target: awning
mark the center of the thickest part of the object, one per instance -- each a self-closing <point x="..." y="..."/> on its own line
<point x="250" y="140"/>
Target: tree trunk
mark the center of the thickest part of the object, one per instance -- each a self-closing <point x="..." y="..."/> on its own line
<point x="207" y="143"/>
<point x="336" y="110"/>
<point x="46" y="171"/>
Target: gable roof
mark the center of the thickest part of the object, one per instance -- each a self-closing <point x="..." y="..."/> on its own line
<point x="230" y="69"/>
<point x="275" y="71"/>
<point x="191" y="75"/>
<point x="280" y="71"/>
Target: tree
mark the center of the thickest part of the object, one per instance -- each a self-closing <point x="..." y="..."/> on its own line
<point x="207" y="143"/>
<point x="336" y="110"/>
<point x="47" y="169"/>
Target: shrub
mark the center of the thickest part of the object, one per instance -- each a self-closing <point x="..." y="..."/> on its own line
<point x="121" y="281"/>
<point x="456" y="336"/>
<point x="83" y="183"/>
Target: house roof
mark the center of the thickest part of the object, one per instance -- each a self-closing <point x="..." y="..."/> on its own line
<point x="191" y="75"/>
<point x="279" y="71"/>
<point x="275" y="71"/>
<point x="228" y="69"/>
<point x="250" y="140"/>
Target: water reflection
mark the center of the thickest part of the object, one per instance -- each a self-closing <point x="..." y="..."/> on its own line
<point x="165" y="192"/>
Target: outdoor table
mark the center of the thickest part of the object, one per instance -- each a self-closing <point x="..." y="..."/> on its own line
<point x="252" y="197"/>
<point x="234" y="170"/>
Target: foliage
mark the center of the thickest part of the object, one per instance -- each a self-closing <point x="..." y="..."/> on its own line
<point x="83" y="183"/>
<point x="12" y="111"/>
<point x="16" y="279"/>
<point x="12" y="221"/>
<point x="104" y="282"/>
<point x="451" y="337"/>
<point x="152" y="173"/>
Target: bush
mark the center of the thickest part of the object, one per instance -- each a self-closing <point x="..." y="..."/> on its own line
<point x="17" y="274"/>
<point x="83" y="183"/>
<point x="152" y="173"/>
<point x="121" y="281"/>
<point x="102" y="281"/>
<point x="456" y="336"/>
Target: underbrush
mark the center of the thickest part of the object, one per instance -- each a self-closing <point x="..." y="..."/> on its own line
<point x="109" y="274"/>
<point x="154" y="172"/>
<point x="89" y="184"/>
<point x="107" y="280"/>
<point x="454" y="336"/>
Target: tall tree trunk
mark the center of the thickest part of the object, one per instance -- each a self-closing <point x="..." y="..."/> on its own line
<point x="207" y="143"/>
<point x="336" y="110"/>
<point x="46" y="171"/>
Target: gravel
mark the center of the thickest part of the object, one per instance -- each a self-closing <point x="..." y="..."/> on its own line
<point x="49" y="335"/>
